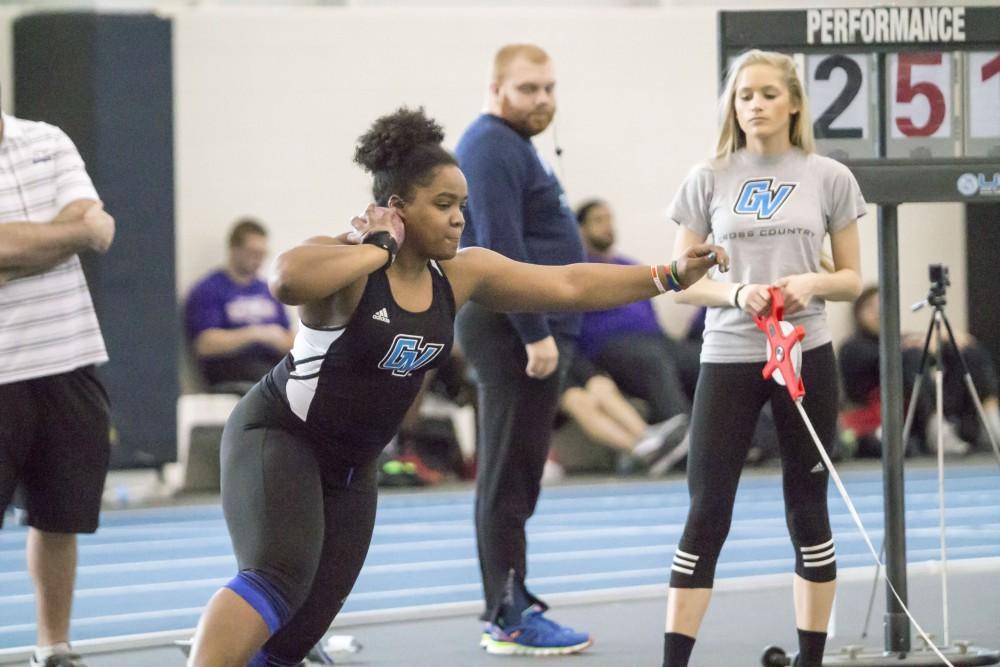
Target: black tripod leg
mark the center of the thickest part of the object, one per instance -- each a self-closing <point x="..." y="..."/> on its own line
<point x="871" y="598"/>
<point x="911" y="410"/>
<point x="907" y="427"/>
<point x="971" y="387"/>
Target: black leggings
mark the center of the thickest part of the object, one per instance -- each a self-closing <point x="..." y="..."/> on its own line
<point x="727" y="402"/>
<point x="300" y="526"/>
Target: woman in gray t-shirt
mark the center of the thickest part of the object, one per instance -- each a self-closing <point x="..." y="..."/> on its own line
<point x="770" y="201"/>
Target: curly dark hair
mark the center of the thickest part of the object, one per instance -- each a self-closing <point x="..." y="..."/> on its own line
<point x="401" y="151"/>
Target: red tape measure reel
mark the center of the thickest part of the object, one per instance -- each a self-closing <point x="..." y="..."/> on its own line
<point x="784" y="349"/>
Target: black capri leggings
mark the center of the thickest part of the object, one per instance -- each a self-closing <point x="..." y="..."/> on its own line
<point x="301" y="527"/>
<point x="727" y="402"/>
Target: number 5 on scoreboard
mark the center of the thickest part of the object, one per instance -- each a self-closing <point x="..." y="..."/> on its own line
<point x="920" y="99"/>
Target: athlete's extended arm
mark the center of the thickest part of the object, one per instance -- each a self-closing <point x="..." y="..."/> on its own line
<point x="705" y="292"/>
<point x="499" y="283"/>
<point x="27" y="248"/>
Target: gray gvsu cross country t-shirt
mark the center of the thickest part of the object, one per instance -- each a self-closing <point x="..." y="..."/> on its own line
<point x="770" y="213"/>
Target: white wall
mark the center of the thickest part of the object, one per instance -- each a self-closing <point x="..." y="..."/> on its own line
<point x="269" y="106"/>
<point x="269" y="103"/>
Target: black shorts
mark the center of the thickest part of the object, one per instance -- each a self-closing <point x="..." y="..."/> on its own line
<point x="54" y="442"/>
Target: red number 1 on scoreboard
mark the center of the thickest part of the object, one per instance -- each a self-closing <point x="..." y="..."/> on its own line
<point x="982" y="109"/>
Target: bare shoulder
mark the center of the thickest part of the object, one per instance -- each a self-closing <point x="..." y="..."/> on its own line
<point x="468" y="261"/>
<point x="466" y="269"/>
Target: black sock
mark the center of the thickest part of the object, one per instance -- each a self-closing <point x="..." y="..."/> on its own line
<point x="676" y="649"/>
<point x="811" y="645"/>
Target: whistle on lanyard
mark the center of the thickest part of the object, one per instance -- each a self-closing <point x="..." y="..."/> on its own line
<point x="784" y="351"/>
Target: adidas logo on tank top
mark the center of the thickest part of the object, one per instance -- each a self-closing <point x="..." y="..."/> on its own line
<point x="382" y="315"/>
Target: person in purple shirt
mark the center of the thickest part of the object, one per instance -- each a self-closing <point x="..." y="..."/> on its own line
<point x="628" y="343"/>
<point x="237" y="330"/>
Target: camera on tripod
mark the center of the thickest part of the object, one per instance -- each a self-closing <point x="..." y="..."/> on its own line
<point x="940" y="281"/>
<point x="939" y="276"/>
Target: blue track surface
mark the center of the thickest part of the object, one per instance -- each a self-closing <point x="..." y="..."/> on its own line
<point x="153" y="569"/>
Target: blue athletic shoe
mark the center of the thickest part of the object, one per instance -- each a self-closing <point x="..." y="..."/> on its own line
<point x="535" y="635"/>
<point x="484" y="640"/>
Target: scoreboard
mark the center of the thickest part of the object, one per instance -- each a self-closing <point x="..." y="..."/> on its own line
<point x="909" y="99"/>
<point x="894" y="87"/>
<point x="927" y="93"/>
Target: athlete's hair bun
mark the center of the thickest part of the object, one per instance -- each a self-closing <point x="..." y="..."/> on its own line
<point x="391" y="138"/>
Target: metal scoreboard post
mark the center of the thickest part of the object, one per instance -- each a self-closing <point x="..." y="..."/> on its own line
<point x="909" y="99"/>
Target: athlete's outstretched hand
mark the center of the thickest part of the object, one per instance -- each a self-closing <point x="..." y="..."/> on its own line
<point x="697" y="260"/>
<point x="377" y="219"/>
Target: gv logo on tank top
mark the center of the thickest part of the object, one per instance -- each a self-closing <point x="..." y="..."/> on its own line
<point x="409" y="353"/>
<point x="759" y="198"/>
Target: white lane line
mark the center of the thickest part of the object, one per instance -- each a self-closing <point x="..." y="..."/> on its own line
<point x="110" y="618"/>
<point x="959" y="473"/>
<point x="548" y="536"/>
<point x="442" y="564"/>
<point x="537" y="582"/>
<point x="131" y="589"/>
<point x="645" y="502"/>
<point x="423" y="527"/>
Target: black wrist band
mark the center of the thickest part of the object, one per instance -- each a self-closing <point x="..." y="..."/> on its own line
<point x="385" y="241"/>
<point x="736" y="296"/>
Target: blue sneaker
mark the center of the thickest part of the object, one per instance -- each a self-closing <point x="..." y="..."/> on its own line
<point x="484" y="640"/>
<point x="535" y="635"/>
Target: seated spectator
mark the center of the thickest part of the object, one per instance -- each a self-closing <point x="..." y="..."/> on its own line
<point x="627" y="342"/>
<point x="236" y="329"/>
<point x="592" y="399"/>
<point x="859" y="368"/>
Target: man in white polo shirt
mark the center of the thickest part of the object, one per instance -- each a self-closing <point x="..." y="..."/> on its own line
<point x="54" y="413"/>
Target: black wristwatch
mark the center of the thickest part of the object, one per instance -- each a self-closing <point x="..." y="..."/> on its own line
<point x="385" y="241"/>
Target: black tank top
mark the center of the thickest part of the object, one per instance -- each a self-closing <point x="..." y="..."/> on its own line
<point x="349" y="387"/>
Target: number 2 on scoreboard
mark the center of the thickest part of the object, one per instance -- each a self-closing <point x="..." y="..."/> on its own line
<point x="821" y="128"/>
<point x="837" y="86"/>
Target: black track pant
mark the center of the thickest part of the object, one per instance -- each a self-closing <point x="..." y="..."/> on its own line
<point x="300" y="526"/>
<point x="516" y="416"/>
<point x="726" y="406"/>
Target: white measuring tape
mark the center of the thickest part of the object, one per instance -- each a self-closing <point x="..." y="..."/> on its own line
<point x="784" y="348"/>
